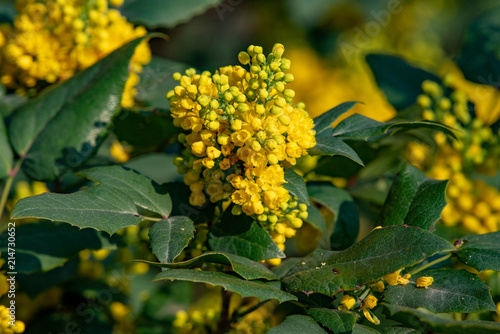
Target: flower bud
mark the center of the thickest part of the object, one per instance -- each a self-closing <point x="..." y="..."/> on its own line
<point x="243" y="57"/>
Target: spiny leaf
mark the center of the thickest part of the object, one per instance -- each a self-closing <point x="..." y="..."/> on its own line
<point x="481" y="251"/>
<point x="296" y="185"/>
<point x="324" y="121"/>
<point x="170" y="236"/>
<point x="326" y="145"/>
<point x="297" y="324"/>
<point x="335" y="320"/>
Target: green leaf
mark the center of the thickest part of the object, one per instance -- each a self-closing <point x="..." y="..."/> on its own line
<point x="170" y="236"/>
<point x="242" y="236"/>
<point x="42" y="246"/>
<point x="399" y="330"/>
<point x="6" y="155"/>
<point x="145" y="192"/>
<point x="359" y="127"/>
<point x="108" y="207"/>
<point x="7" y="11"/>
<point x="479" y="57"/>
<point x="481" y="251"/>
<point x="155" y="80"/>
<point x="451" y="291"/>
<point x="285" y="266"/>
<point x="244" y="267"/>
<point x="324" y="121"/>
<point x="165" y="13"/>
<point x="425" y="321"/>
<point x="157" y="166"/>
<point x="326" y="145"/>
<point x="382" y="252"/>
<point x="400" y="81"/>
<point x="79" y="110"/>
<point x="335" y="320"/>
<point x="346" y="213"/>
<point x="315" y="218"/>
<point x="362" y="329"/>
<point x="297" y="324"/>
<point x="296" y="185"/>
<point x="143" y="129"/>
<point x="262" y="290"/>
<point x="409" y="198"/>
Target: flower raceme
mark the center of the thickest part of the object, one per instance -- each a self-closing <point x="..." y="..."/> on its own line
<point x="52" y="40"/>
<point x="242" y="131"/>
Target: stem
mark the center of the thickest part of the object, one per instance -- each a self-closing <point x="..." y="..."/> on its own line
<point x="223" y="324"/>
<point x="430" y="264"/>
<point x="153" y="219"/>
<point x="8" y="184"/>
<point x="250" y="310"/>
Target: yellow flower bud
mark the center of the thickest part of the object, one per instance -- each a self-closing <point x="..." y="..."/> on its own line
<point x="236" y="126"/>
<point x="424" y="281"/>
<point x="347" y="302"/>
<point x="278" y="50"/>
<point x="288" y="78"/>
<point x="243" y="57"/>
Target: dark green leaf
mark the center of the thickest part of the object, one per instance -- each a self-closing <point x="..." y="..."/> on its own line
<point x="7" y="11"/>
<point x="335" y="320"/>
<point x="109" y="206"/>
<point x="285" y="266"/>
<point x="324" y="121"/>
<point x="299" y="324"/>
<point x="326" y="145"/>
<point x="400" y="81"/>
<point x="166" y="13"/>
<point x="315" y="218"/>
<point x="399" y="330"/>
<point x="157" y="166"/>
<point x="479" y="57"/>
<point x="296" y="185"/>
<point x="261" y="290"/>
<point x="362" y="329"/>
<point x="143" y="191"/>
<point x="346" y="213"/>
<point x="43" y="246"/>
<point x="64" y="125"/>
<point x="451" y="291"/>
<point x="409" y="198"/>
<point x="426" y="322"/>
<point x="170" y="236"/>
<point x="241" y="236"/>
<point x="481" y="251"/>
<point x="155" y="80"/>
<point x="359" y="127"/>
<point x="5" y="152"/>
<point x="382" y="252"/>
<point x="244" y="267"/>
<point x="144" y="128"/>
<point x="9" y="102"/>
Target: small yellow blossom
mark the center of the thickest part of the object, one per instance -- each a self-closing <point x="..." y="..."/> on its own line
<point x="369" y="303"/>
<point x="347" y="302"/>
<point x="378" y="286"/>
<point x="424" y="281"/>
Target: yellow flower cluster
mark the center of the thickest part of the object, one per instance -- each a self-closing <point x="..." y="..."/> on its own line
<point x="242" y="132"/>
<point x="6" y="323"/>
<point x="52" y="40"/>
<point x="471" y="203"/>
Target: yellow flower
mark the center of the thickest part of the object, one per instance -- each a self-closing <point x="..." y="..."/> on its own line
<point x="347" y="302"/>
<point x="392" y="279"/>
<point x="369" y="303"/>
<point x="424" y="281"/>
<point x="378" y="286"/>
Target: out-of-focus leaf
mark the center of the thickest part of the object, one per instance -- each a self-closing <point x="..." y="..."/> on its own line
<point x="156" y="80"/>
<point x="296" y="185"/>
<point x="6" y="155"/>
<point x="64" y="125"/>
<point x="426" y="321"/>
<point x="298" y="324"/>
<point x="7" y="10"/>
<point x="326" y="145"/>
<point x="242" y="236"/>
<point x="315" y="218"/>
<point x="324" y="121"/>
<point x="481" y="251"/>
<point x="165" y="13"/>
<point x="409" y="198"/>
<point x="362" y="329"/>
<point x="170" y="236"/>
<point x="345" y="210"/>
<point x="400" y="81"/>
<point x="43" y="246"/>
<point x="451" y="291"/>
<point x="479" y="57"/>
<point x="144" y="128"/>
<point x="244" y="267"/>
<point x="259" y="289"/>
<point x="335" y="320"/>
<point x="382" y="252"/>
